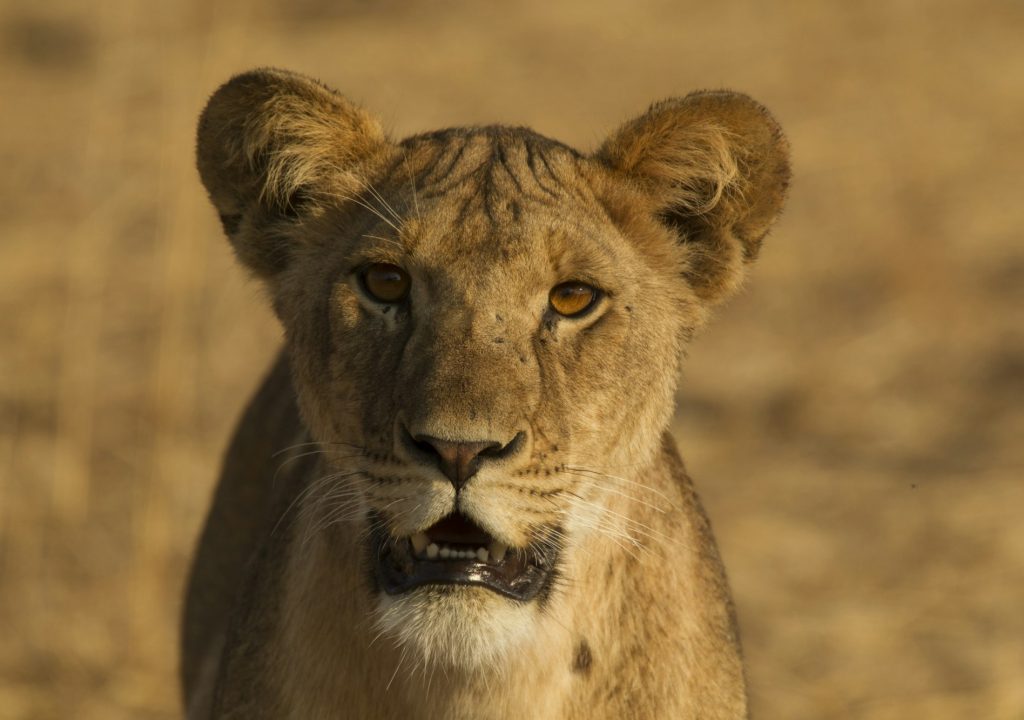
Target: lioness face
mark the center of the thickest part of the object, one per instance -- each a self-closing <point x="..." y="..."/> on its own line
<point x="481" y="329"/>
<point x="485" y="329"/>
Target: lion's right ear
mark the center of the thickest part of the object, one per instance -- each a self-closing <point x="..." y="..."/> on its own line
<point x="270" y="144"/>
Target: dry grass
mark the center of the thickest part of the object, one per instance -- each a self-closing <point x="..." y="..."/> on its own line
<point x="855" y="420"/>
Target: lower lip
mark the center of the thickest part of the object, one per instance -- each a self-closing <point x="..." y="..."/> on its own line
<point x="398" y="571"/>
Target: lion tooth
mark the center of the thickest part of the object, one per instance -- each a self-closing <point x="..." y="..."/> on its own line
<point x="482" y="554"/>
<point x="432" y="551"/>
<point x="419" y="542"/>
<point x="498" y="550"/>
<point x="445" y="552"/>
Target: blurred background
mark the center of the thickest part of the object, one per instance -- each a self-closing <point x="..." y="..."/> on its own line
<point x="855" y="420"/>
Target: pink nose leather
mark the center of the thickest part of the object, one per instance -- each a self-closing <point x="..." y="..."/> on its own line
<point x="459" y="461"/>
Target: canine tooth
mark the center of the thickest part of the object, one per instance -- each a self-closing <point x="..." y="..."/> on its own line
<point x="445" y="552"/>
<point x="498" y="550"/>
<point x="432" y="551"/>
<point x="482" y="554"/>
<point x="419" y="542"/>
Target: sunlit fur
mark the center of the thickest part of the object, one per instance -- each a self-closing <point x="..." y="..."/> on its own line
<point x="663" y="219"/>
<point x="458" y="628"/>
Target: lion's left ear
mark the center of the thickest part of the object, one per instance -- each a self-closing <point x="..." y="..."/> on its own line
<point x="716" y="166"/>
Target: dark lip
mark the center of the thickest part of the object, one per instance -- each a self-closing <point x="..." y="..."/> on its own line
<point x="521" y="576"/>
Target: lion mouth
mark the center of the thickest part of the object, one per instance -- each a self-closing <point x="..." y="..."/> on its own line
<point x="456" y="551"/>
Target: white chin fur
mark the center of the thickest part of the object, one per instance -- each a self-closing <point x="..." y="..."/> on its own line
<point x="456" y="627"/>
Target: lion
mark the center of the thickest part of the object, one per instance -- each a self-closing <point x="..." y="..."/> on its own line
<point x="455" y="494"/>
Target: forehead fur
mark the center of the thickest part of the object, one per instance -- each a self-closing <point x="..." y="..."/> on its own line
<point x="500" y="164"/>
<point x="489" y="194"/>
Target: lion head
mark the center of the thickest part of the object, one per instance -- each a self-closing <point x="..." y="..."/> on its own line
<point x="485" y="326"/>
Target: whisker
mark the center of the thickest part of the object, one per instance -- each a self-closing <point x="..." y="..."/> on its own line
<point x="363" y="204"/>
<point x="628" y="496"/>
<point x="598" y="473"/>
<point x="387" y="240"/>
<point x="380" y="198"/>
<point x="631" y="524"/>
<point x="401" y="660"/>
<point x="309" y="453"/>
<point x="313" y="487"/>
<point x="314" y="442"/>
<point x="412" y="182"/>
<point x="349" y="508"/>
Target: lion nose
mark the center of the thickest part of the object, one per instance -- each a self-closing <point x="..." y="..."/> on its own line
<point x="458" y="460"/>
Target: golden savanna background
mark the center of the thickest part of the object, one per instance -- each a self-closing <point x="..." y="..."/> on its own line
<point x="855" y="420"/>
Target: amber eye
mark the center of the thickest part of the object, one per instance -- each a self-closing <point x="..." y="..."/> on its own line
<point x="386" y="283"/>
<point x="572" y="298"/>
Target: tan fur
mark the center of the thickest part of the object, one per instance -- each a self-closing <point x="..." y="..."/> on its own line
<point x="663" y="218"/>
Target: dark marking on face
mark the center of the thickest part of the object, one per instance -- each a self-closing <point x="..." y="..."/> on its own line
<point x="583" y="659"/>
<point x="439" y="176"/>
<point x="531" y="161"/>
<point x="550" y="172"/>
<point x="501" y="155"/>
<point x="465" y="208"/>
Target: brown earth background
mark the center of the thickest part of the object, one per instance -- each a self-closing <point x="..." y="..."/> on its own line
<point x="855" y="420"/>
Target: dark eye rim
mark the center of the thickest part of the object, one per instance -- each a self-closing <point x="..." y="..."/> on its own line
<point x="595" y="300"/>
<point x="362" y="272"/>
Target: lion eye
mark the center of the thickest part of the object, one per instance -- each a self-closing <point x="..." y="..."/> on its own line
<point x="386" y="283"/>
<point x="572" y="298"/>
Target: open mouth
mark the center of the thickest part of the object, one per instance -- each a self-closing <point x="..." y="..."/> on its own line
<point x="456" y="551"/>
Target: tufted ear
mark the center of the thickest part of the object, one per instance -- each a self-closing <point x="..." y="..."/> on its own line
<point x="270" y="145"/>
<point x="716" y="166"/>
